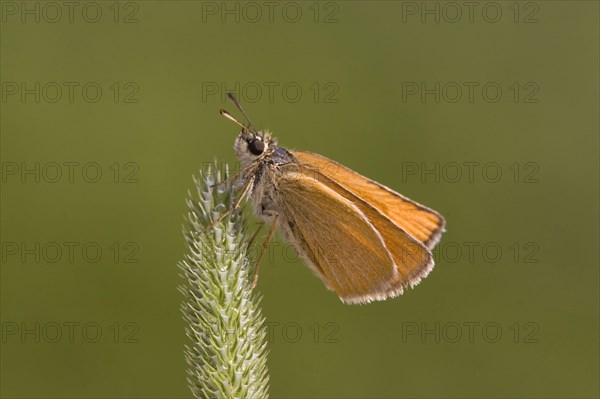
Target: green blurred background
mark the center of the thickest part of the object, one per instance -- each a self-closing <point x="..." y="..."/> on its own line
<point x="518" y="323"/>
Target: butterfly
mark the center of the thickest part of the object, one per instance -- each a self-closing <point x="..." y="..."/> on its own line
<point x="365" y="241"/>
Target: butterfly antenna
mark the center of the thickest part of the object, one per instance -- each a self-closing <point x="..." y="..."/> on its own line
<point x="237" y="104"/>
<point x="231" y="118"/>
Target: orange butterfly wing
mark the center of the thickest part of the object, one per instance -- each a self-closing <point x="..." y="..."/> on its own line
<point x="422" y="223"/>
<point x="336" y="239"/>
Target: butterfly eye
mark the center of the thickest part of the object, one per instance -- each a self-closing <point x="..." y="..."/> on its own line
<point x="256" y="146"/>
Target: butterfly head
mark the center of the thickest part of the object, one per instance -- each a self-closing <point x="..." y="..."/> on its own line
<point x="250" y="146"/>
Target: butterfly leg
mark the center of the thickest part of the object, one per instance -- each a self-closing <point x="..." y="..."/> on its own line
<point x="237" y="203"/>
<point x="264" y="249"/>
<point x="228" y="180"/>
<point x="232" y="177"/>
<point x="261" y="224"/>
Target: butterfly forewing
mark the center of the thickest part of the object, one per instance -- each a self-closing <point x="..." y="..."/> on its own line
<point x="424" y="224"/>
<point x="413" y="260"/>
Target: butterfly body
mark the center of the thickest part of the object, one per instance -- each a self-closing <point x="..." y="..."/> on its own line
<point x="365" y="241"/>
